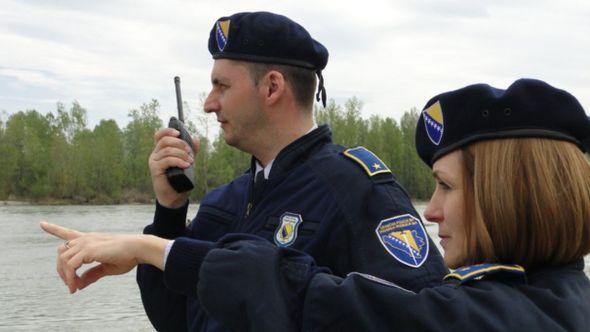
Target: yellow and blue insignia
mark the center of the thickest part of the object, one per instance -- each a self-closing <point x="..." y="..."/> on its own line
<point x="404" y="238"/>
<point x="222" y="33"/>
<point x="368" y="160"/>
<point x="286" y="233"/>
<point x="480" y="271"/>
<point x="434" y="122"/>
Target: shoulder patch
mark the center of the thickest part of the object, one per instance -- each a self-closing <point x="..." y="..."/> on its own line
<point x="481" y="271"/>
<point x="368" y="160"/>
<point x="404" y="238"/>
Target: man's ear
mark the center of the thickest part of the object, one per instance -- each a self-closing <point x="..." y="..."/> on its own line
<point x="274" y="87"/>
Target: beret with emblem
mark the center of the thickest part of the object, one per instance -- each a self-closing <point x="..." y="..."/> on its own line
<point x="268" y="38"/>
<point x="528" y="108"/>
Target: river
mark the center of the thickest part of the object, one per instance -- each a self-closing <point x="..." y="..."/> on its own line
<point x="33" y="298"/>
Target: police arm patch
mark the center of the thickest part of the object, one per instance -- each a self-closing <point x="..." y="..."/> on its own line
<point x="368" y="160"/>
<point x="404" y="238"/>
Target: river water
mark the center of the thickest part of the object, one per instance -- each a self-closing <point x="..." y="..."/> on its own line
<point x="33" y="297"/>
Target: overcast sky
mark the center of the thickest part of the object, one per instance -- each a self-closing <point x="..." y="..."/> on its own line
<point x="113" y="56"/>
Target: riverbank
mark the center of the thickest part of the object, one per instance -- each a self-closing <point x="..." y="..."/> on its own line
<point x="125" y="198"/>
<point x="54" y="201"/>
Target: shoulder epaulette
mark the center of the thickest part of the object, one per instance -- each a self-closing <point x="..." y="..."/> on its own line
<point x="368" y="160"/>
<point x="481" y="271"/>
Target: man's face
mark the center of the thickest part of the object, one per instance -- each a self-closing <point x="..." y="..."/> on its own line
<point x="236" y="101"/>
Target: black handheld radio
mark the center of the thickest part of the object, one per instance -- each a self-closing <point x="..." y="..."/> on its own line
<point x="181" y="179"/>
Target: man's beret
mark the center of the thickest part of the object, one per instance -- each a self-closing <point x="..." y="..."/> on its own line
<point x="267" y="38"/>
<point x="528" y="108"/>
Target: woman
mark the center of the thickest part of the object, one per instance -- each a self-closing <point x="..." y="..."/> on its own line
<point x="512" y="202"/>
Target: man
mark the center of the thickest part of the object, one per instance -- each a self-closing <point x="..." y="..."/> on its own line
<point x="341" y="206"/>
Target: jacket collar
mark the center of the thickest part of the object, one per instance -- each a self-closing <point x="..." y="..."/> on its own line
<point x="297" y="152"/>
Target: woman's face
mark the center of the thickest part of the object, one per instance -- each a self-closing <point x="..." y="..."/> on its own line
<point x="447" y="207"/>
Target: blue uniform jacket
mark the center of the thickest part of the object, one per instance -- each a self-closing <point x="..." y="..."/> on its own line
<point x="316" y="200"/>
<point x="300" y="296"/>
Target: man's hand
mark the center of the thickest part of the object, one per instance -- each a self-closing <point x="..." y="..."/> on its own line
<point x="170" y="151"/>
<point x="117" y="254"/>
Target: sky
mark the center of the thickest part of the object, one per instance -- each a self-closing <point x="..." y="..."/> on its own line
<point x="113" y="56"/>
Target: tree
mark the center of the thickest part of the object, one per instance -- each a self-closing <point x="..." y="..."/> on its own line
<point x="139" y="143"/>
<point x="415" y="176"/>
<point x="107" y="169"/>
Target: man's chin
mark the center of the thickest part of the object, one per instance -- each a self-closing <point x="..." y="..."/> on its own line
<point x="229" y="140"/>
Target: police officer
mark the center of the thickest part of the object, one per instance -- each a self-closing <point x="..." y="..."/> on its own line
<point x="512" y="202"/>
<point x="302" y="191"/>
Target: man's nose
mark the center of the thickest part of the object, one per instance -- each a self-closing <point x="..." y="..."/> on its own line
<point x="211" y="104"/>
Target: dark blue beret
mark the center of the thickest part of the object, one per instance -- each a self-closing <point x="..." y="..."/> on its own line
<point x="267" y="38"/>
<point x="528" y="108"/>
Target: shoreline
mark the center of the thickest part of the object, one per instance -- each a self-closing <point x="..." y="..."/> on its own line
<point x="151" y="201"/>
<point x="72" y="202"/>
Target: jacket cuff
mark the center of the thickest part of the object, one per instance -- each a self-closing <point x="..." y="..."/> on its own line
<point x="168" y="223"/>
<point x="181" y="272"/>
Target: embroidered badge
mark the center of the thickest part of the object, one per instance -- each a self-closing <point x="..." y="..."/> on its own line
<point x="368" y="160"/>
<point x="286" y="233"/>
<point x="404" y="238"/>
<point x="434" y="122"/>
<point x="222" y="33"/>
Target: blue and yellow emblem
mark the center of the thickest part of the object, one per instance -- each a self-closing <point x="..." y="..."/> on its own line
<point x="404" y="238"/>
<point x="222" y="33"/>
<point x="434" y="122"/>
<point x="286" y="233"/>
<point x="368" y="160"/>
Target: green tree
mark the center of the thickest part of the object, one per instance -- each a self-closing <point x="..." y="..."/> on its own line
<point x="139" y="143"/>
<point x="29" y="133"/>
<point x="63" y="164"/>
<point x="8" y="162"/>
<point x="415" y="176"/>
<point x="107" y="168"/>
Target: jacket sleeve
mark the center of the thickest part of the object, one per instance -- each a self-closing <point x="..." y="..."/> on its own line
<point x="254" y="286"/>
<point x="374" y="213"/>
<point x="165" y="309"/>
<point x="367" y="303"/>
<point x="164" y="293"/>
<point x="251" y="285"/>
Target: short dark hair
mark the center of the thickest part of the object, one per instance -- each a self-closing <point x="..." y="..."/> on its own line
<point x="302" y="81"/>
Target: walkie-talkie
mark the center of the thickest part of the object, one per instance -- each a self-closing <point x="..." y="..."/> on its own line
<point x="181" y="179"/>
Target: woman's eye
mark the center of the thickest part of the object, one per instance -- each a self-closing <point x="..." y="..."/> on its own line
<point x="443" y="185"/>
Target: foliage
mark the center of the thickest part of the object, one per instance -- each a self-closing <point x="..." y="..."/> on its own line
<point x="57" y="157"/>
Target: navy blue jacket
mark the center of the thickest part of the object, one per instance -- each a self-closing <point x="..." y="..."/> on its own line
<point x="264" y="288"/>
<point x="316" y="199"/>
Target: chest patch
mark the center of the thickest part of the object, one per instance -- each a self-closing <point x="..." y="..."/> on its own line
<point x="286" y="233"/>
<point x="404" y="238"/>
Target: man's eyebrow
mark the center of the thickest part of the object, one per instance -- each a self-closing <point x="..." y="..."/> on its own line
<point x="218" y="80"/>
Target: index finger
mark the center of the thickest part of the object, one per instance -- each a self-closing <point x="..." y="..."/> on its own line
<point x="165" y="132"/>
<point x="59" y="231"/>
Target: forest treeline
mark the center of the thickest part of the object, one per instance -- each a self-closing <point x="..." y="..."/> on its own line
<point x="56" y="158"/>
